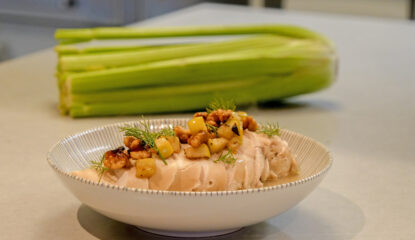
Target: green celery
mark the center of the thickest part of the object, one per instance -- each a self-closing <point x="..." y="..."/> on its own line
<point x="214" y="67"/>
<point x="150" y="92"/>
<point x="70" y="50"/>
<point x="97" y="61"/>
<point x="302" y="81"/>
<point x="87" y="34"/>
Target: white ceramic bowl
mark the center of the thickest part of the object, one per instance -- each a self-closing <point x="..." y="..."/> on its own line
<point x="183" y="213"/>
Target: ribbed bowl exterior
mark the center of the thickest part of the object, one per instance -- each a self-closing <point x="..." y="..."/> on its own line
<point x="183" y="211"/>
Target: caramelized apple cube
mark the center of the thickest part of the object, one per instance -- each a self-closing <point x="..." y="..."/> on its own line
<point x="200" y="152"/>
<point x="242" y="115"/>
<point x="225" y="131"/>
<point x="217" y="144"/>
<point x="164" y="147"/>
<point x="175" y="143"/>
<point x="236" y="125"/>
<point x="196" y="125"/>
<point x="145" y="167"/>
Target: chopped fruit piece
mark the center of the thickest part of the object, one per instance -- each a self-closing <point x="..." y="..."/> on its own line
<point x="217" y="144"/>
<point x="242" y="115"/>
<point x="145" y="167"/>
<point x="196" y="125"/>
<point x="200" y="152"/>
<point x="164" y="147"/>
<point x="175" y="143"/>
<point x="225" y="131"/>
<point x="236" y="126"/>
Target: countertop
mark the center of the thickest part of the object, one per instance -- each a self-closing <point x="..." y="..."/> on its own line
<point x="366" y="118"/>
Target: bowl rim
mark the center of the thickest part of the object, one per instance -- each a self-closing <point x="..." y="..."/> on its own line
<point x="181" y="193"/>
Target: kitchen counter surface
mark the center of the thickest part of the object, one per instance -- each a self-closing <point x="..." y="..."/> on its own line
<point x="366" y="119"/>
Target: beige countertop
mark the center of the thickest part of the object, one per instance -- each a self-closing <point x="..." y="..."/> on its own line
<point x="367" y="120"/>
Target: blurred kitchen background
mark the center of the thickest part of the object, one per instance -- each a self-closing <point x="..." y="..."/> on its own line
<point x="28" y="25"/>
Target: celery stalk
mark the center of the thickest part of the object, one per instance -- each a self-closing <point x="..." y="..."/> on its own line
<point x="150" y="92"/>
<point x="75" y="50"/>
<point x="214" y="67"/>
<point x="87" y="34"/>
<point x="63" y="50"/>
<point x="86" y="62"/>
<point x="269" y="62"/>
<point x="303" y="81"/>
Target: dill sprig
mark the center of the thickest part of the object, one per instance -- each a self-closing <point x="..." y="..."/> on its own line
<point x="212" y="128"/>
<point x="167" y="132"/>
<point x="144" y="133"/>
<point x="141" y="132"/>
<point x="220" y="103"/>
<point x="227" y="158"/>
<point x="270" y="129"/>
<point x="99" y="167"/>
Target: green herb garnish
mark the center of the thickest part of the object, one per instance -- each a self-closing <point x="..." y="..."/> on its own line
<point x="141" y="132"/>
<point x="270" y="129"/>
<point x="99" y="167"/>
<point x="144" y="133"/>
<point x="228" y="158"/>
<point x="220" y="103"/>
<point x="167" y="132"/>
<point x="212" y="128"/>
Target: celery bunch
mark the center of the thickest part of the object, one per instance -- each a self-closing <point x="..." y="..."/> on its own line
<point x="262" y="63"/>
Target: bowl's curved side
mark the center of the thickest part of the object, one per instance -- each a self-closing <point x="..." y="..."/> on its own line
<point x="183" y="211"/>
<point x="190" y="213"/>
